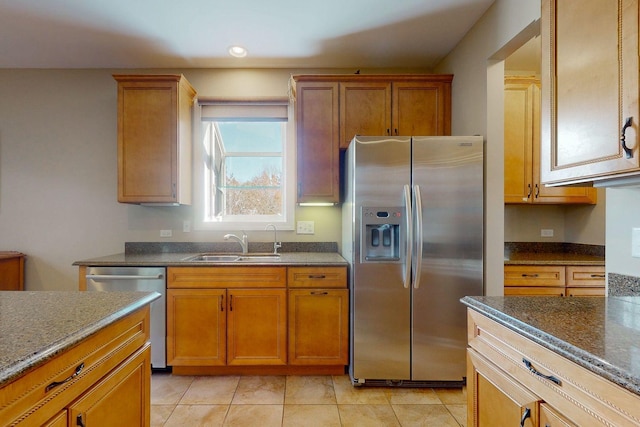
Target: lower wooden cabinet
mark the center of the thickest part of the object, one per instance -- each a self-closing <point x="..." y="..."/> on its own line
<point x="498" y="400"/>
<point x="11" y="271"/>
<point x="255" y="319"/>
<point x="119" y="398"/>
<point x="318" y="326"/>
<point x="102" y="381"/>
<point x="512" y="381"/>
<point x="554" y="280"/>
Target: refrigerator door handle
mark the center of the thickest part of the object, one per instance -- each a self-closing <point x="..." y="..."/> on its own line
<point x="409" y="236"/>
<point x="417" y="206"/>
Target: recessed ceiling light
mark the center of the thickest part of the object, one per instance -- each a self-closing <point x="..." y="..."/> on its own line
<point x="237" y="51"/>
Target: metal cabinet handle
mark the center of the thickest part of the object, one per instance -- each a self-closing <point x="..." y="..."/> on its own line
<point x="529" y="275"/>
<point x="529" y="193"/>
<point x="319" y="293"/>
<point x="317" y="276"/>
<point x="80" y="421"/>
<point x="628" y="151"/>
<point x="537" y="191"/>
<point x="527" y="414"/>
<point x="123" y="277"/>
<point x="535" y="371"/>
<point x="598" y="276"/>
<point x="55" y="384"/>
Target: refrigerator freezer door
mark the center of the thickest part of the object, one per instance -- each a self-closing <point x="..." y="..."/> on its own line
<point x="449" y="174"/>
<point x="380" y="321"/>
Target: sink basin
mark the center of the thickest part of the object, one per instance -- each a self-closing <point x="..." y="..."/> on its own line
<point x="232" y="257"/>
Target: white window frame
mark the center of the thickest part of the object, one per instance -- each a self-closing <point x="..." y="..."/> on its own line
<point x="225" y="108"/>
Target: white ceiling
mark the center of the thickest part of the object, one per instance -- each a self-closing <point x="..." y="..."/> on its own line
<point x="197" y="33"/>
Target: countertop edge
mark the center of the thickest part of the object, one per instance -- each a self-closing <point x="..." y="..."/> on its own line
<point x="38" y="359"/>
<point x="550" y="342"/>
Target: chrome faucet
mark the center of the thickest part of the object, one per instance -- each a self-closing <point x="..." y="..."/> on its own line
<point x="276" y="244"/>
<point x="244" y="242"/>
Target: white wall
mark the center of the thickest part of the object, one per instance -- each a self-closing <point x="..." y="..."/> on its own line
<point x="477" y="63"/>
<point x="623" y="208"/>
<point x="58" y="169"/>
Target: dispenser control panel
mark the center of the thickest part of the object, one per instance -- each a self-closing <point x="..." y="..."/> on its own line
<point x="381" y="233"/>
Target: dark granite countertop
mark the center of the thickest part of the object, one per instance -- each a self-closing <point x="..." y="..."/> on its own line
<point x="598" y="333"/>
<point x="182" y="259"/>
<point x="552" y="258"/>
<point x="36" y="326"/>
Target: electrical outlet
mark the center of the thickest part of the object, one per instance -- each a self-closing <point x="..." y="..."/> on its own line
<point x="186" y="226"/>
<point x="305" y="227"/>
<point x="546" y="232"/>
<point x="165" y="233"/>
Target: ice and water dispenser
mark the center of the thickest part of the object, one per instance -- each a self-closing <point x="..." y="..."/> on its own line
<point x="380" y="234"/>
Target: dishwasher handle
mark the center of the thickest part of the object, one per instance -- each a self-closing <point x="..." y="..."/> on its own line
<point x="123" y="277"/>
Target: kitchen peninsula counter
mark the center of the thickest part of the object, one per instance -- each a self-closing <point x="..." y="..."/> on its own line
<point x="37" y="326"/>
<point x="598" y="333"/>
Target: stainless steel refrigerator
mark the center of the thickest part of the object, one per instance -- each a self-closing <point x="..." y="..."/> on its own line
<point x="413" y="228"/>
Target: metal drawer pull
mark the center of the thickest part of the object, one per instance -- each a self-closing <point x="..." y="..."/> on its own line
<point x="527" y="414"/>
<point x="627" y="151"/>
<point x="529" y="275"/>
<point x="535" y="371"/>
<point x="55" y="384"/>
<point x="122" y="277"/>
<point x="598" y="276"/>
<point x="317" y="276"/>
<point x="319" y="293"/>
<point x="80" y="421"/>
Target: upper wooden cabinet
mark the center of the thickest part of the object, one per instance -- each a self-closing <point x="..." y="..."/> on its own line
<point x="317" y="133"/>
<point x="522" y="183"/>
<point x="589" y="90"/>
<point x="406" y="105"/>
<point x="154" y="138"/>
<point x="332" y="109"/>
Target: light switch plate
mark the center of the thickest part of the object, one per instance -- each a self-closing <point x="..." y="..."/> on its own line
<point x="305" y="227"/>
<point x="635" y="242"/>
<point x="165" y="233"/>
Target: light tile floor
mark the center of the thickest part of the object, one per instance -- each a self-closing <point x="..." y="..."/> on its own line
<point x="308" y="401"/>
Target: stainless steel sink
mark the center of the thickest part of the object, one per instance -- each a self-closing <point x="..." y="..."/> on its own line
<point x="233" y="257"/>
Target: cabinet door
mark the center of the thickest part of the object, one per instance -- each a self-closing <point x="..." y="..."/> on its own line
<point x="518" y="142"/>
<point x="522" y="150"/>
<point x="318" y="326"/>
<point x="122" y="398"/>
<point x="550" y="418"/>
<point x="196" y="327"/>
<point x="421" y="108"/>
<point x="365" y="109"/>
<point x="59" y="420"/>
<point x="494" y="399"/>
<point x="12" y="273"/>
<point x="590" y="88"/>
<point x="318" y="141"/>
<point x="257" y="327"/>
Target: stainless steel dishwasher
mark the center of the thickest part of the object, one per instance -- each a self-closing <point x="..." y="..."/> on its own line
<point x="117" y="279"/>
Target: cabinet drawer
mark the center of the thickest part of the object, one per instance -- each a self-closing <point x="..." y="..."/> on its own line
<point x="534" y="291"/>
<point x="41" y="392"/>
<point x="586" y="291"/>
<point x="585" y="276"/>
<point x="526" y="275"/>
<point x="317" y="277"/>
<point x="226" y="277"/>
<point x="601" y="402"/>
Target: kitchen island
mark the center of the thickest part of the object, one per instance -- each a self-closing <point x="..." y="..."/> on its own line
<point x="63" y="354"/>
<point x="576" y="360"/>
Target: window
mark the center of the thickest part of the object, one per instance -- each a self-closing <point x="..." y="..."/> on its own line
<point x="244" y="165"/>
